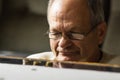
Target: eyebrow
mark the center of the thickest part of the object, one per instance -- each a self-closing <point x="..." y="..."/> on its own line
<point x="76" y="29"/>
<point x="69" y="29"/>
<point x="53" y="30"/>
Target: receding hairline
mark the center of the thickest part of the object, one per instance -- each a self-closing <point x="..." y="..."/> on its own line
<point x="95" y="8"/>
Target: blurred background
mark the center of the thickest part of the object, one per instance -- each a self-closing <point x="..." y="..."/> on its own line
<point x="23" y="24"/>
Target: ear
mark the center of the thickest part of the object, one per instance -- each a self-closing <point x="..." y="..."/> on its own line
<point x="101" y="31"/>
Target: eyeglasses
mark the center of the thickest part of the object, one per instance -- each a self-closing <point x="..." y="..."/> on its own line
<point x="70" y="35"/>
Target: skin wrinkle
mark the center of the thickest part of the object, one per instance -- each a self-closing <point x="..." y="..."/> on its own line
<point x="62" y="29"/>
<point x="62" y="24"/>
<point x="76" y="18"/>
<point x="69" y="17"/>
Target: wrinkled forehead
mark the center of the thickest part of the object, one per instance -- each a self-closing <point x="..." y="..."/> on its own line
<point x="69" y="10"/>
<point x="69" y="7"/>
<point x="68" y="4"/>
<point x="60" y="6"/>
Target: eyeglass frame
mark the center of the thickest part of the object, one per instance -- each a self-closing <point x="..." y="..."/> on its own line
<point x="69" y="34"/>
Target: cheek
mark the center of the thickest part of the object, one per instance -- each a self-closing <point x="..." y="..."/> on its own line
<point x="80" y="45"/>
<point x="53" y="45"/>
<point x="84" y="48"/>
<point x="87" y="46"/>
<point x="92" y="40"/>
<point x="91" y="43"/>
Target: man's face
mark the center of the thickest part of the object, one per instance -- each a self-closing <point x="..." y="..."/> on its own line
<point x="72" y="16"/>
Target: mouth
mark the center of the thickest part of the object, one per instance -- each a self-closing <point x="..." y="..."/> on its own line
<point x="68" y="56"/>
<point x="66" y="53"/>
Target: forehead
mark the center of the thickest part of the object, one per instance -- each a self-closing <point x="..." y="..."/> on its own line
<point x="69" y="11"/>
<point x="65" y="6"/>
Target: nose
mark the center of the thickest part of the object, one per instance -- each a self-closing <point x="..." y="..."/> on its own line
<point x="64" y="42"/>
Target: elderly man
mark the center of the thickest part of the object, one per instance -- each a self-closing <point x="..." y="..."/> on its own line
<point x="76" y="30"/>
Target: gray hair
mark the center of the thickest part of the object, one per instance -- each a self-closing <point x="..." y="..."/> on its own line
<point x="96" y="10"/>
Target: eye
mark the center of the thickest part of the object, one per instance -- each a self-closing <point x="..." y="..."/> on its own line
<point x="54" y="35"/>
<point x="77" y="36"/>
